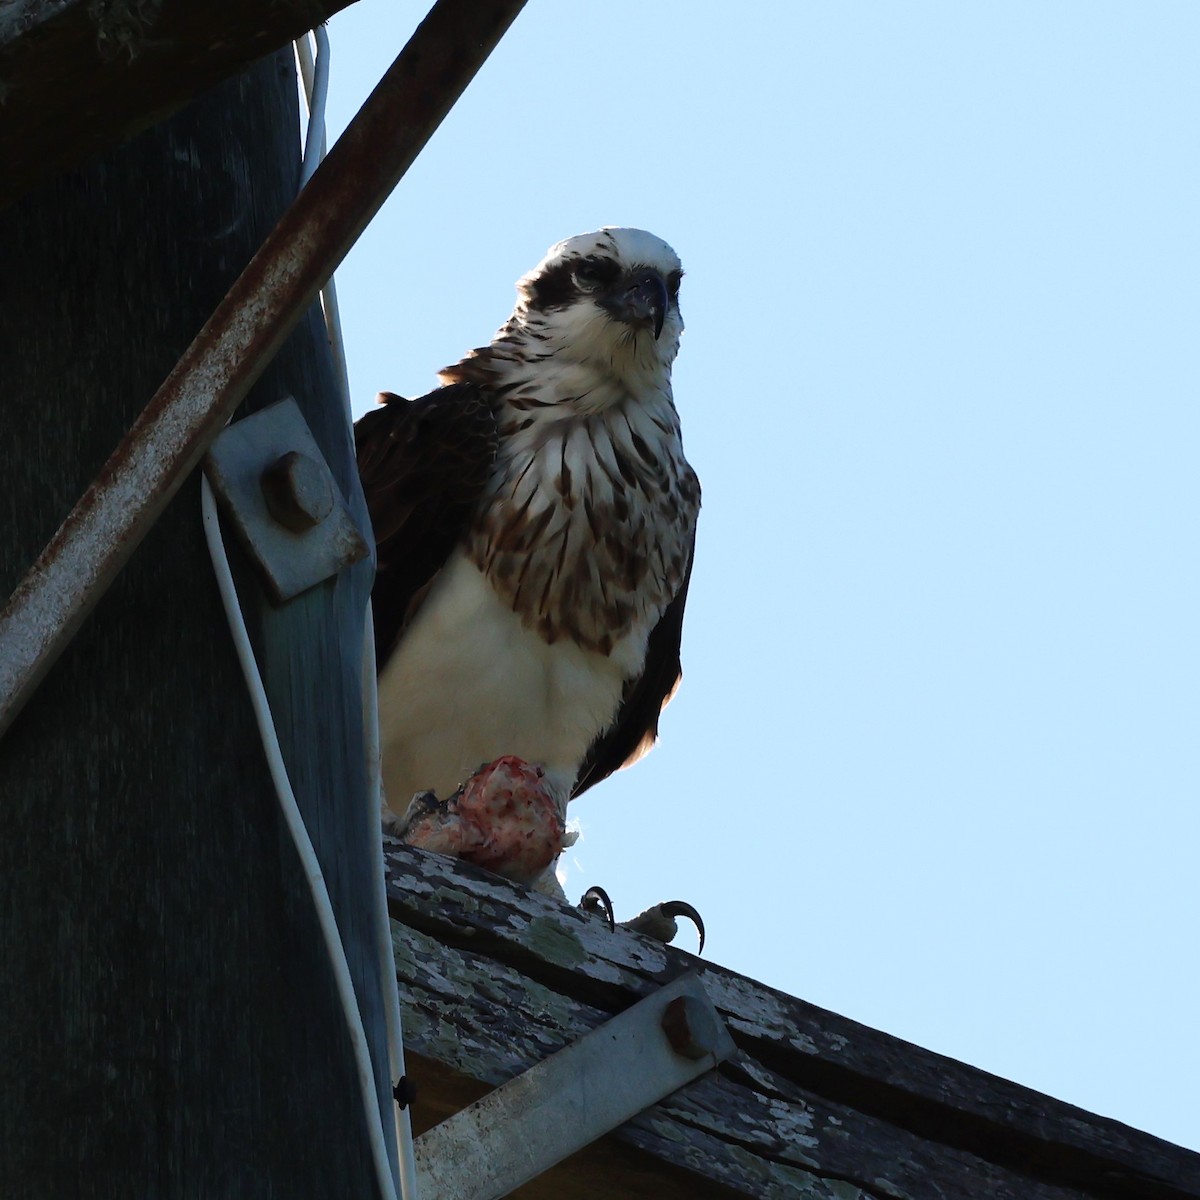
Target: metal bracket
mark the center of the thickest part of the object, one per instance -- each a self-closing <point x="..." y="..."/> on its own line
<point x="575" y="1096"/>
<point x="276" y="488"/>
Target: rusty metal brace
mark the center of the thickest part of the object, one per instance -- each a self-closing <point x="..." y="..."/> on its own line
<point x="575" y="1096"/>
<point x="240" y="338"/>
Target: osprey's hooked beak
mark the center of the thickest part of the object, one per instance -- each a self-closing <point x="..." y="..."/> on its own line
<point x="641" y="300"/>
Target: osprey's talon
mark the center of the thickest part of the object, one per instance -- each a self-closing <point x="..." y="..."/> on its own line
<point x="595" y="903"/>
<point x="658" y="921"/>
<point x="396" y="825"/>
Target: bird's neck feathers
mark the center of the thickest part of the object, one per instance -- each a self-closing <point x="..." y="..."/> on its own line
<point x="572" y="362"/>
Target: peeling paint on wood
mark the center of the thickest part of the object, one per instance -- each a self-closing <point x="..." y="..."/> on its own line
<point x="554" y="942"/>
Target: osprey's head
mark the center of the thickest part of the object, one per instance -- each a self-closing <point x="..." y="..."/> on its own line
<point x="607" y="299"/>
<point x="597" y="321"/>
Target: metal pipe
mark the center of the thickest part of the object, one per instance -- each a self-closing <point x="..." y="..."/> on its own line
<point x="240" y="338"/>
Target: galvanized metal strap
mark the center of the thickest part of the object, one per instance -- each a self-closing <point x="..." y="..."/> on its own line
<point x="575" y="1096"/>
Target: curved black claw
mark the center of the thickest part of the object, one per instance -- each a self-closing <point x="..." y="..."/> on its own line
<point x="421" y="805"/>
<point x="595" y="902"/>
<point x="681" y="908"/>
<point x="658" y="921"/>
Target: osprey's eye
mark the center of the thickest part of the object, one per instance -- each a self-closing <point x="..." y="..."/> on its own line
<point x="590" y="275"/>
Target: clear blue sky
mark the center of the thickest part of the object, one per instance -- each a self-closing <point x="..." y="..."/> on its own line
<point x="935" y="761"/>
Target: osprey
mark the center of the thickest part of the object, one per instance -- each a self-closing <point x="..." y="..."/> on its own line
<point x="534" y="520"/>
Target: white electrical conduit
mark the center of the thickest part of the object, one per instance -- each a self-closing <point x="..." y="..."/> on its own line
<point x="387" y="956"/>
<point x="304" y="846"/>
<point x="315" y="77"/>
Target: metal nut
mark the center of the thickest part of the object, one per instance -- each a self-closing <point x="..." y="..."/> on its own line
<point x="298" y="491"/>
<point x="689" y="1027"/>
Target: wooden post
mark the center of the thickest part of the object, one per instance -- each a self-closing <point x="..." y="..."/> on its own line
<point x="168" y="1023"/>
<point x="78" y="76"/>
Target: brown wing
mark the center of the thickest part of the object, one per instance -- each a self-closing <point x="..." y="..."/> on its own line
<point x="635" y="727"/>
<point x="424" y="464"/>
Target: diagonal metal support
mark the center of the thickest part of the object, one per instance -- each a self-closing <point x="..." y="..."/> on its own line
<point x="575" y="1096"/>
<point x="243" y="334"/>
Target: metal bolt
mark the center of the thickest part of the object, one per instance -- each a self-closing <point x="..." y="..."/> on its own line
<point x="405" y="1092"/>
<point x="690" y="1027"/>
<point x="298" y="491"/>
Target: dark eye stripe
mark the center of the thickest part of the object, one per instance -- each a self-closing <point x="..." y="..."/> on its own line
<point x="554" y="288"/>
<point x="561" y="284"/>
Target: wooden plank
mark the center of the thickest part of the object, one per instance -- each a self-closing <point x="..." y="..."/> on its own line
<point x="497" y="976"/>
<point x="77" y="76"/>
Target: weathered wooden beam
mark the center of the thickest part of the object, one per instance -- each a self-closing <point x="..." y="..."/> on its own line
<point x="77" y="77"/>
<point x="494" y="977"/>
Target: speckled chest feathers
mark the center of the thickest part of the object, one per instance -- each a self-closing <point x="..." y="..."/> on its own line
<point x="587" y="524"/>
